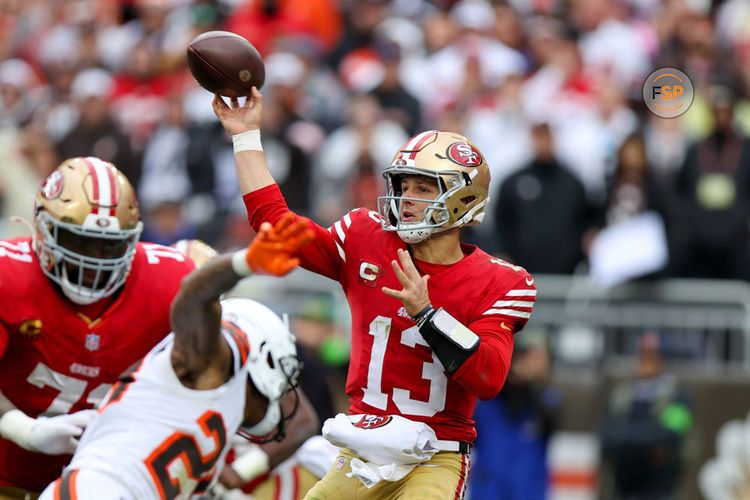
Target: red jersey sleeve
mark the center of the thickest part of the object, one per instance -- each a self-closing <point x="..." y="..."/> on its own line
<point x="484" y="373"/>
<point x="324" y="255"/>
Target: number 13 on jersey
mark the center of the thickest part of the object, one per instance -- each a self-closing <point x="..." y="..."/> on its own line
<point x="432" y="373"/>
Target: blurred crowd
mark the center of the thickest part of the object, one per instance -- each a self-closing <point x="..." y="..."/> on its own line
<point x="549" y="90"/>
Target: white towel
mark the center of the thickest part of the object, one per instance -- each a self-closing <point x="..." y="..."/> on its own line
<point x="317" y="455"/>
<point x="370" y="473"/>
<point x="390" y="445"/>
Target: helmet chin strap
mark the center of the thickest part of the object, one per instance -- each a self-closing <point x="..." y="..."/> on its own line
<point x="71" y="291"/>
<point x="411" y="236"/>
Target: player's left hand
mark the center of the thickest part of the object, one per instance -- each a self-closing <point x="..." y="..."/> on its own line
<point x="274" y="249"/>
<point x="414" y="294"/>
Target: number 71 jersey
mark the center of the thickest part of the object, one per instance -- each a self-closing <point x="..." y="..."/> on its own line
<point x="57" y="361"/>
<point x="392" y="369"/>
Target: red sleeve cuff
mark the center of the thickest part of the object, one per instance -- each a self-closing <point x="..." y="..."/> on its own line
<point x="264" y="204"/>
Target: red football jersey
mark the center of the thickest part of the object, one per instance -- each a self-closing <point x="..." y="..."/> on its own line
<point x="392" y="369"/>
<point x="57" y="361"/>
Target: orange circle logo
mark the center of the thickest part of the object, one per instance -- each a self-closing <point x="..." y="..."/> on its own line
<point x="668" y="92"/>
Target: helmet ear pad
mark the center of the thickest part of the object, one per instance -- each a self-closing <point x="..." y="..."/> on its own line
<point x="464" y="200"/>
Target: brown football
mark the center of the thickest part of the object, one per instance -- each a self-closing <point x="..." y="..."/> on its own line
<point x="225" y="63"/>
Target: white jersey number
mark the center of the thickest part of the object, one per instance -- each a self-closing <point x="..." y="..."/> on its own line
<point x="71" y="389"/>
<point x="380" y="328"/>
<point x="154" y="253"/>
<point x="20" y="251"/>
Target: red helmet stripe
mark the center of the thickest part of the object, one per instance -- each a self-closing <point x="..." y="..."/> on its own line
<point x="416" y="142"/>
<point x="112" y="189"/>
<point x="95" y="182"/>
<point x="106" y="193"/>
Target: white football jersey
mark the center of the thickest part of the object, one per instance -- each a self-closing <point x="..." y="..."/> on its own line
<point x="159" y="438"/>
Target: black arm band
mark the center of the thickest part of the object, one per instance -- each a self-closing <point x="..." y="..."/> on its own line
<point x="451" y="341"/>
<point x="424" y="315"/>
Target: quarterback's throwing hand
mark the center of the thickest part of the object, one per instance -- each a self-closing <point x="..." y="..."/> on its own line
<point x="237" y="119"/>
<point x="414" y="294"/>
<point x="274" y="248"/>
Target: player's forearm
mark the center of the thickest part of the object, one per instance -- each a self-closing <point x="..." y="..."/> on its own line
<point x="195" y="312"/>
<point x="484" y="373"/>
<point x="303" y="425"/>
<point x="252" y="171"/>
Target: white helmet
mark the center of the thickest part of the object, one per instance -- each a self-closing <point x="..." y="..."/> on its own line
<point x="461" y="173"/>
<point x="272" y="362"/>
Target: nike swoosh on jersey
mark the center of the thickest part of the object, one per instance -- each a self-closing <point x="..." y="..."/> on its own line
<point x="503" y="325"/>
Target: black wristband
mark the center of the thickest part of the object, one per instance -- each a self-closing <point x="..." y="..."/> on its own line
<point x="424" y="315"/>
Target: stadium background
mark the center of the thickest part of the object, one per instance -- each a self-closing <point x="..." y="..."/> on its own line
<point x="349" y="81"/>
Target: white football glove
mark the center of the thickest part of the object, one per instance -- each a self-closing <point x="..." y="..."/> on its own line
<point x="51" y="435"/>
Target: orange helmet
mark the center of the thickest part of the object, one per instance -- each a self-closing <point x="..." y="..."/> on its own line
<point x="86" y="228"/>
<point x="462" y="175"/>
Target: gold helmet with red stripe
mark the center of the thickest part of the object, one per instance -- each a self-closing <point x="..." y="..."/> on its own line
<point x="461" y="173"/>
<point x="198" y="251"/>
<point x="86" y="228"/>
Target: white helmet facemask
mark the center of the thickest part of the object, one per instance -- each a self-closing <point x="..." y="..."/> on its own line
<point x="436" y="216"/>
<point x="268" y="423"/>
<point x="272" y="364"/>
<point x="82" y="278"/>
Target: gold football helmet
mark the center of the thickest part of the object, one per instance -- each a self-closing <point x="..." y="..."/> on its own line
<point x="198" y="251"/>
<point x="86" y="228"/>
<point x="462" y="175"/>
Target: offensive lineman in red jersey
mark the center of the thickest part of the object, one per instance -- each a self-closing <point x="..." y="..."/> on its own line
<point x="432" y="319"/>
<point x="80" y="302"/>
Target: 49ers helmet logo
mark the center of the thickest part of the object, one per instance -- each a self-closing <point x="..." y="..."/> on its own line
<point x="52" y="186"/>
<point x="464" y="154"/>
<point x="373" y="421"/>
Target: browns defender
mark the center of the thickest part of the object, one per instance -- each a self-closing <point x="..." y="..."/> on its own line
<point x="163" y="431"/>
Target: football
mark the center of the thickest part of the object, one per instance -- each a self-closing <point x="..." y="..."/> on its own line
<point x="225" y="63"/>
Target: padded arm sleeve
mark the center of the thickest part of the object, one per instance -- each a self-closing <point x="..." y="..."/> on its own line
<point x="451" y="341"/>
